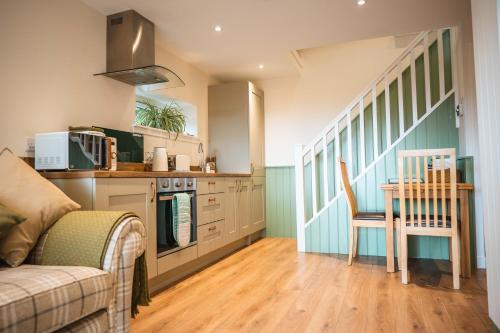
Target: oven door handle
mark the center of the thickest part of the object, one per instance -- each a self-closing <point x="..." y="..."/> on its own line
<point x="170" y="197"/>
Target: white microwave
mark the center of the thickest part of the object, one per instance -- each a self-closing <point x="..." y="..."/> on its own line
<point x="69" y="150"/>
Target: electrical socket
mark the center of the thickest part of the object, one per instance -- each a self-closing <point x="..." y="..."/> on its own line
<point x="30" y="146"/>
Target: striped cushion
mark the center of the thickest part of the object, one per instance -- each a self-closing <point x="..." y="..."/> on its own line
<point x="45" y="298"/>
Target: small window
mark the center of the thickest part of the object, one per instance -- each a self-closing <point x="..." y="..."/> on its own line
<point x="188" y="110"/>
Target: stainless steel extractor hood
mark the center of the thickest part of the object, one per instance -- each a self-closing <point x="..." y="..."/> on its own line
<point x="130" y="52"/>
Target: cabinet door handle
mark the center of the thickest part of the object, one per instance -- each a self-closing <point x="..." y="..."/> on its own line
<point x="212" y="228"/>
<point x="211" y="183"/>
<point x="211" y="200"/>
<point x="153" y="190"/>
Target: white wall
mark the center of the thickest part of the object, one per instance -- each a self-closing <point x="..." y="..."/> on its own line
<point x="297" y="108"/>
<point x="50" y="51"/>
<point x="485" y="20"/>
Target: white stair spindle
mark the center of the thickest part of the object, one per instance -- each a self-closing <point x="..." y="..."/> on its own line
<point x="362" y="132"/>
<point x="349" y="144"/>
<point x="325" y="171"/>
<point x="427" y="74"/>
<point x="387" y="112"/>
<point x="441" y="63"/>
<point x="336" y="157"/>
<point x="413" y="87"/>
<point x="375" y="122"/>
<point x="400" y="102"/>
<point x="455" y="82"/>
<point x="314" y="180"/>
<point x="299" y="197"/>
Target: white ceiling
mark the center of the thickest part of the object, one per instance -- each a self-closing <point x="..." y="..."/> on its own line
<point x="266" y="31"/>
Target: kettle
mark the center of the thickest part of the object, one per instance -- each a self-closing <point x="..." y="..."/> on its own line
<point x="160" y="159"/>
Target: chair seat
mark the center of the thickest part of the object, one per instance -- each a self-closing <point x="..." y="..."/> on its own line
<point x="431" y="222"/>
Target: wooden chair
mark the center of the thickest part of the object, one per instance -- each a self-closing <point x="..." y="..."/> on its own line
<point x="438" y="190"/>
<point x="359" y="219"/>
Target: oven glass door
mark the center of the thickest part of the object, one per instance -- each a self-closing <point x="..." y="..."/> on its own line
<point x="165" y="239"/>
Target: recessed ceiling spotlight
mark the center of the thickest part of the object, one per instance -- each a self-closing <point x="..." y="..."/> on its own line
<point x="261" y="66"/>
<point x="217" y="28"/>
<point x="361" y="2"/>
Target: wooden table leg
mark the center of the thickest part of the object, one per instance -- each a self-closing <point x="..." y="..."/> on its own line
<point x="389" y="231"/>
<point x="465" y="234"/>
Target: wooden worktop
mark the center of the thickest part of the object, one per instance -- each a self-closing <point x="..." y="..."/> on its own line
<point x="133" y="174"/>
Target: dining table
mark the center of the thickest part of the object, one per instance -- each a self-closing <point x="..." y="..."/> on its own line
<point x="391" y="193"/>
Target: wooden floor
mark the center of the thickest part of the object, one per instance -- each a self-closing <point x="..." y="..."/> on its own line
<point x="269" y="287"/>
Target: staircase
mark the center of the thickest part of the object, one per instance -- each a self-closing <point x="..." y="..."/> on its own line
<point x="423" y="79"/>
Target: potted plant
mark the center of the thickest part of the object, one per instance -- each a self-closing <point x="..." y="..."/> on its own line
<point x="168" y="117"/>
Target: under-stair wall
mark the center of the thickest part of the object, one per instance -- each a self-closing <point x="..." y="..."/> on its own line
<point x="411" y="105"/>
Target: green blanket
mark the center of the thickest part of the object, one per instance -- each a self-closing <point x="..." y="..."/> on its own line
<point x="81" y="238"/>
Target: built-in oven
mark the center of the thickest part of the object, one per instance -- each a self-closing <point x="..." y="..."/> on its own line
<point x="166" y="190"/>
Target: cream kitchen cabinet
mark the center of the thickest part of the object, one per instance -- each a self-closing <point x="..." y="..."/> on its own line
<point x="210" y="185"/>
<point x="136" y="195"/>
<point x="231" y="223"/>
<point x="237" y="210"/>
<point x="236" y="127"/>
<point x="258" y="204"/>
<point x="210" y="237"/>
<point x="210" y="208"/>
<point x="243" y="207"/>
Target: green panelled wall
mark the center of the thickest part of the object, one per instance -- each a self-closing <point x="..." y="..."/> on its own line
<point x="328" y="233"/>
<point x="280" y="202"/>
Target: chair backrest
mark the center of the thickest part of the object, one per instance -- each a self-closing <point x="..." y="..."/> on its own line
<point x="431" y="184"/>
<point x="351" y="199"/>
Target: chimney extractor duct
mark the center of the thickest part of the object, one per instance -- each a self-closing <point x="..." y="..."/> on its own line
<point x="130" y="52"/>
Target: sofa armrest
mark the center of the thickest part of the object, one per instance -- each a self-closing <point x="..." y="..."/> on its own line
<point x="125" y="244"/>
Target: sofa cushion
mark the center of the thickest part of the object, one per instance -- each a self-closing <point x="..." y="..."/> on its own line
<point x="96" y="322"/>
<point x="45" y="298"/>
<point x="8" y="219"/>
<point x="24" y="191"/>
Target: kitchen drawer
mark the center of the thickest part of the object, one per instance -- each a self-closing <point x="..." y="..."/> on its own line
<point x="210" y="185"/>
<point x="176" y="259"/>
<point x="210" y="237"/>
<point x="209" y="208"/>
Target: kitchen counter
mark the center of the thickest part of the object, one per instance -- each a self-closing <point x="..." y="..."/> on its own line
<point x="134" y="174"/>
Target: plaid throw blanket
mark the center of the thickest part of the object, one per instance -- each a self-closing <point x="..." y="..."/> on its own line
<point x="80" y="238"/>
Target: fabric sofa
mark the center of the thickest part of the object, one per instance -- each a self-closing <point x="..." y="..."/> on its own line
<point x="39" y="298"/>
